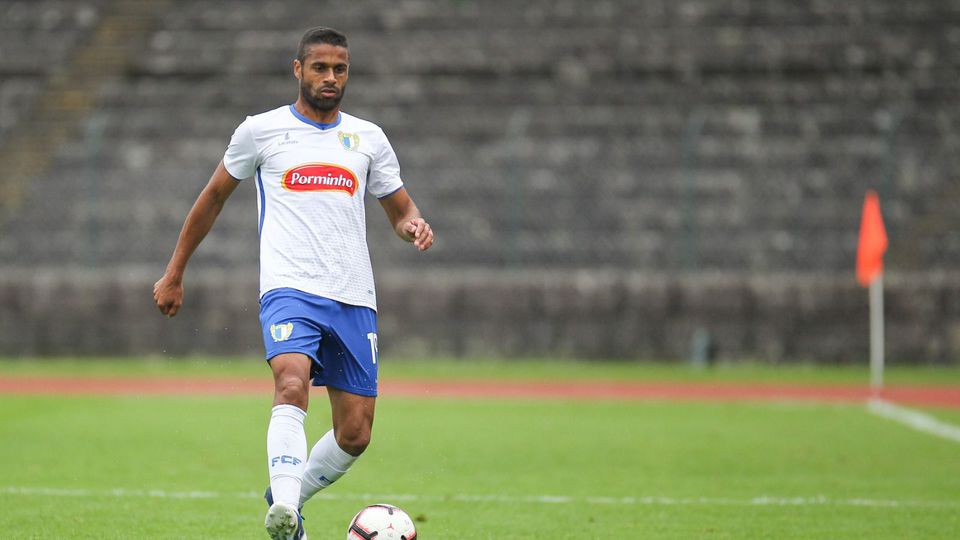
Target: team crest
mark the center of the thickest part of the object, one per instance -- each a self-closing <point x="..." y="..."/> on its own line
<point x="350" y="141"/>
<point x="280" y="332"/>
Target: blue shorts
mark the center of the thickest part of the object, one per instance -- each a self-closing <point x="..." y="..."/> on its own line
<point x="341" y="339"/>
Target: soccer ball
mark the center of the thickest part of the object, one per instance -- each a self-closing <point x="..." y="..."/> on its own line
<point x="381" y="522"/>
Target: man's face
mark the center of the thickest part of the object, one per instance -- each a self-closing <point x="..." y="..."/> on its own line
<point x="323" y="75"/>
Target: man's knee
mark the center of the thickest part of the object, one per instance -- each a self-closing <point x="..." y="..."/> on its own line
<point x="353" y="440"/>
<point x="292" y="390"/>
<point x="291" y="376"/>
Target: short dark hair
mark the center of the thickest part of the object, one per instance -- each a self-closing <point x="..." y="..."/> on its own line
<point x="320" y="34"/>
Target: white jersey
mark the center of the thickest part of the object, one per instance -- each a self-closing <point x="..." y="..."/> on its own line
<point x="311" y="179"/>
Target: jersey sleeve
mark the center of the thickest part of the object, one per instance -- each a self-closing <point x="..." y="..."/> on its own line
<point x="384" y="177"/>
<point x="241" y="158"/>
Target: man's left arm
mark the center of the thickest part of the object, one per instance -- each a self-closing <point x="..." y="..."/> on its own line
<point x="406" y="219"/>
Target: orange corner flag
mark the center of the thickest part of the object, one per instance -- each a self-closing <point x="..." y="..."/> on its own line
<point x="873" y="241"/>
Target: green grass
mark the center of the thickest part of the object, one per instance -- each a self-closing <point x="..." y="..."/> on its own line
<point x="477" y="469"/>
<point x="951" y="416"/>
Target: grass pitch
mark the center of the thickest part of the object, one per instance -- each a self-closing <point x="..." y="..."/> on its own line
<point x="176" y="467"/>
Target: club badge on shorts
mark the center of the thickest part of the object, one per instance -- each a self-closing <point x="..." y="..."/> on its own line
<point x="281" y="332"/>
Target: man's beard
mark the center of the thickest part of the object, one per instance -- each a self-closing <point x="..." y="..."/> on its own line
<point x="319" y="102"/>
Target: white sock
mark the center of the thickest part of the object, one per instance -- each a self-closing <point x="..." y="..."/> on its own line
<point x="286" y="453"/>
<point x="327" y="463"/>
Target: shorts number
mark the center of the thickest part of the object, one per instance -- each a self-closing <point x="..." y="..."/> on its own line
<point x="373" y="346"/>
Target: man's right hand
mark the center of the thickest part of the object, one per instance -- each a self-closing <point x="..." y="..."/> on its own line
<point x="168" y="294"/>
<point x="168" y="291"/>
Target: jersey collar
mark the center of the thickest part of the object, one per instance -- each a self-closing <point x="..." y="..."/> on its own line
<point x="306" y="120"/>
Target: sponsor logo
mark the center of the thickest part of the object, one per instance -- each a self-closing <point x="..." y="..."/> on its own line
<point x="286" y="460"/>
<point x="350" y="141"/>
<point x="288" y="140"/>
<point x="320" y="177"/>
<point x="280" y="332"/>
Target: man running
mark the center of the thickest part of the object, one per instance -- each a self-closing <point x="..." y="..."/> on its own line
<point x="312" y="165"/>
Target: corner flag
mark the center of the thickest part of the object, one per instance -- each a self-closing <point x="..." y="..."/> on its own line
<point x="873" y="241"/>
<point x="870" y="250"/>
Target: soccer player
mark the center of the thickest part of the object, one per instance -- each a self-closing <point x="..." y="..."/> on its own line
<point x="312" y="165"/>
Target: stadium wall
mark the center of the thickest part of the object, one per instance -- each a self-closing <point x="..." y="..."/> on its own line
<point x="774" y="317"/>
<point x="710" y="157"/>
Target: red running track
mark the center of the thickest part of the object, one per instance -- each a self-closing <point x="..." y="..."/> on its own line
<point x="937" y="396"/>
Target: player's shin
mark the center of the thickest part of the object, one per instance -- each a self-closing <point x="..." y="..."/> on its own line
<point x="286" y="453"/>
<point x="326" y="464"/>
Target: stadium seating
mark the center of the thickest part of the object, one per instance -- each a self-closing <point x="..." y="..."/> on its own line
<point x="36" y="40"/>
<point x="639" y="135"/>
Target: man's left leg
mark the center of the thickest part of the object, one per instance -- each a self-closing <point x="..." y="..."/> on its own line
<point x="336" y="451"/>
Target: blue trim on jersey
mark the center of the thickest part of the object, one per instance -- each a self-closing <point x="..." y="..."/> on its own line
<point x="306" y="120"/>
<point x="263" y="202"/>
<point x="389" y="194"/>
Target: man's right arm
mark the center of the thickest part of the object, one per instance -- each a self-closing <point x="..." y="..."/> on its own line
<point x="168" y="291"/>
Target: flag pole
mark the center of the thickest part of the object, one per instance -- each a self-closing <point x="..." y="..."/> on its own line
<point x="876" y="334"/>
<point x="870" y="249"/>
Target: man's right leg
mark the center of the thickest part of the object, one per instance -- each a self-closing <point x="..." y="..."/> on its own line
<point x="287" y="442"/>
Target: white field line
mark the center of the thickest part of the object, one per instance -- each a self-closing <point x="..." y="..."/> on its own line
<point x="914" y="419"/>
<point x="763" y="500"/>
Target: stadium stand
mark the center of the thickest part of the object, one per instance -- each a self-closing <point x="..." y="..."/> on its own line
<point x="28" y="54"/>
<point x="654" y="136"/>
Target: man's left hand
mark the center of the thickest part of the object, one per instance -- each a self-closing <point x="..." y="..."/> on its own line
<point x="418" y="231"/>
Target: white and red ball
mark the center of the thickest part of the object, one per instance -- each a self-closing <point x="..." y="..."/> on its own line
<point x="381" y="522"/>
